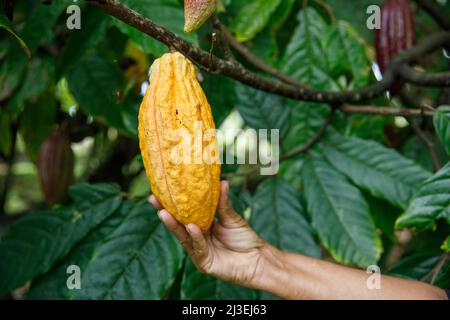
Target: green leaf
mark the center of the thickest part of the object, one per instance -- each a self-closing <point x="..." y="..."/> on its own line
<point x="261" y="110"/>
<point x="446" y="245"/>
<point x="79" y="42"/>
<point x="41" y="67"/>
<point x="432" y="202"/>
<point x="281" y="14"/>
<point x="197" y="286"/>
<point x="441" y="122"/>
<point x="354" y="12"/>
<point x="52" y="285"/>
<point x="95" y="83"/>
<point x="382" y="172"/>
<point x="414" y="267"/>
<point x="305" y="59"/>
<point x="35" y="242"/>
<point x="384" y="215"/>
<point x="141" y="256"/>
<point x="339" y="214"/>
<point x="168" y="13"/>
<point x="279" y="218"/>
<point x="5" y="24"/>
<point x="253" y="17"/>
<point x="36" y="122"/>
<point x="346" y="53"/>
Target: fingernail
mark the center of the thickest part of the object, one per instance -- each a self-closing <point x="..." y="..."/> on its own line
<point x="161" y="215"/>
<point x="189" y="228"/>
<point x="149" y="198"/>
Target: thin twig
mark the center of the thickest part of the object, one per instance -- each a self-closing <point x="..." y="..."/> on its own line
<point x="307" y="146"/>
<point x="424" y="79"/>
<point x="430" y="145"/>
<point x="9" y="173"/>
<point x="436" y="12"/>
<point x="437" y="268"/>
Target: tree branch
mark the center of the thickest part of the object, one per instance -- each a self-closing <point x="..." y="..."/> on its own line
<point x="424" y="79"/>
<point x="386" y="111"/>
<point x="238" y="72"/>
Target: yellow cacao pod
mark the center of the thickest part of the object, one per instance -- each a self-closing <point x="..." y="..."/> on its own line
<point x="180" y="155"/>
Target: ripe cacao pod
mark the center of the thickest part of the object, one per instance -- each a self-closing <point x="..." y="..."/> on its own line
<point x="55" y="167"/>
<point x="196" y="12"/>
<point x="175" y="103"/>
<point x="396" y="33"/>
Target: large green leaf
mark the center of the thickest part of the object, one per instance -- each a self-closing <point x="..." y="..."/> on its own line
<point x="432" y="202"/>
<point x="261" y="110"/>
<point x="346" y="53"/>
<point x="52" y="285"/>
<point x="253" y="17"/>
<point x="37" y="241"/>
<point x="279" y="218"/>
<point x="382" y="172"/>
<point x="168" y="13"/>
<point x="442" y="124"/>
<point x="197" y="286"/>
<point x="339" y="214"/>
<point x="95" y="83"/>
<point x="140" y="256"/>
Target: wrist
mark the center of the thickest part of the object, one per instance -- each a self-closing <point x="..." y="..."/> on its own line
<point x="271" y="269"/>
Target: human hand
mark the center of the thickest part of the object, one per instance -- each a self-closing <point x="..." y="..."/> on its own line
<point x="230" y="250"/>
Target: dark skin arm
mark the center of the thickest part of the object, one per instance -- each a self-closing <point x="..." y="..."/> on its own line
<point x="233" y="252"/>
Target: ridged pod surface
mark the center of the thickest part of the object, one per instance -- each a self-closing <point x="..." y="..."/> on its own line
<point x="396" y="33"/>
<point x="55" y="166"/>
<point x="175" y="109"/>
<point x="196" y="12"/>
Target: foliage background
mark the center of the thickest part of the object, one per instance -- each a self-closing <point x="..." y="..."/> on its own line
<point x="342" y="201"/>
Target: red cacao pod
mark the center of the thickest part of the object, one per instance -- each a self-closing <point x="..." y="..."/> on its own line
<point x="396" y="33"/>
<point x="55" y="166"/>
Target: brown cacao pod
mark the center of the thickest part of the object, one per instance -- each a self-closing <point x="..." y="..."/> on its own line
<point x="396" y="33"/>
<point x="55" y="166"/>
<point x="174" y="112"/>
<point x="196" y="12"/>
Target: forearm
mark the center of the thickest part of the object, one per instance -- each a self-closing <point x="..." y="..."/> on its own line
<point x="293" y="276"/>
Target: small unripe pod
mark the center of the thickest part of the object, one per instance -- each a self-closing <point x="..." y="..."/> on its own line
<point x="196" y="12"/>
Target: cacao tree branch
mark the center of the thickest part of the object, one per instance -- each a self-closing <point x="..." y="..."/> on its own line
<point x="239" y="73"/>
<point x="422" y="78"/>
<point x="386" y="111"/>
<point x="436" y="12"/>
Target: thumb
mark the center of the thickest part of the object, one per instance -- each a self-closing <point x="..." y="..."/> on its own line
<point x="227" y="215"/>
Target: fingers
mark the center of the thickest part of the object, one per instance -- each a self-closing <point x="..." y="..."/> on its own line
<point x="154" y="202"/>
<point x="227" y="216"/>
<point x="178" y="230"/>
<point x="200" y="252"/>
